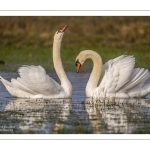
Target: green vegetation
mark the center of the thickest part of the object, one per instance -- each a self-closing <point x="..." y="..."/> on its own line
<point x="28" y="40"/>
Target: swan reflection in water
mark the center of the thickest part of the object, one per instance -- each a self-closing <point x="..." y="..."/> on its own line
<point x="35" y="115"/>
<point x="119" y="115"/>
<point x="75" y="116"/>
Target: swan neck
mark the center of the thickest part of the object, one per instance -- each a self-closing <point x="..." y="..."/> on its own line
<point x="65" y="83"/>
<point x="95" y="74"/>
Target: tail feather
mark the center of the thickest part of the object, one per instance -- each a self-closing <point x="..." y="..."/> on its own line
<point x="5" y="82"/>
<point x="15" y="88"/>
<point x="8" y="86"/>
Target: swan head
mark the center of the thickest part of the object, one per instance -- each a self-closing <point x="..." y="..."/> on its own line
<point x="80" y="59"/>
<point x="78" y="65"/>
<point x="59" y="33"/>
<point x="83" y="55"/>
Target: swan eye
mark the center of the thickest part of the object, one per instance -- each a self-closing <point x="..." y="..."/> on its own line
<point x="77" y="61"/>
<point x="58" y="31"/>
<point x="78" y="66"/>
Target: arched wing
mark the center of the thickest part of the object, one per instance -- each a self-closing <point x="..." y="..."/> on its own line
<point x="34" y="79"/>
<point x="116" y="73"/>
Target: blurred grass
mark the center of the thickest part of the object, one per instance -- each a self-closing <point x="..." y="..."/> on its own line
<point x="28" y="40"/>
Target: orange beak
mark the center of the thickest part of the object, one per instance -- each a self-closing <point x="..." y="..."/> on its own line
<point x="78" y="67"/>
<point x="63" y="29"/>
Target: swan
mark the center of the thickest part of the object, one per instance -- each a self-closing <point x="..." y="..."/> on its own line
<point x="35" y="83"/>
<point x="115" y="78"/>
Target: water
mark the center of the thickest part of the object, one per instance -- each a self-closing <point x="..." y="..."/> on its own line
<point x="72" y="116"/>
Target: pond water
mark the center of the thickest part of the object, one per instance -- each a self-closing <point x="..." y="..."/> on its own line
<point x="72" y="116"/>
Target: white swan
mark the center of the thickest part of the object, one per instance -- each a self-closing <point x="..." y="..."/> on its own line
<point x="35" y="83"/>
<point x="116" y="78"/>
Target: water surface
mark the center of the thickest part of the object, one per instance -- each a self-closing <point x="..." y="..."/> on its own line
<point x="72" y="116"/>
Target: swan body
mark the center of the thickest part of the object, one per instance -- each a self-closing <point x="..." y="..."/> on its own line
<point x="115" y="78"/>
<point x="35" y="83"/>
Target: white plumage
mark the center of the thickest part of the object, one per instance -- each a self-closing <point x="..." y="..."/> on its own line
<point x="116" y="78"/>
<point x="35" y="83"/>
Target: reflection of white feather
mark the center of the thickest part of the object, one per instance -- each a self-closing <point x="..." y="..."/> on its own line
<point x="38" y="115"/>
<point x="116" y="78"/>
<point x="117" y="115"/>
<point x="35" y="83"/>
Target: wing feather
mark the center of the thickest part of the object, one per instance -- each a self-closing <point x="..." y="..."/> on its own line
<point x="137" y="79"/>
<point x="117" y="73"/>
<point x="34" y="78"/>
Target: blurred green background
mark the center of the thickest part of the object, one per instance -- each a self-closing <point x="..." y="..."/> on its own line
<point x="28" y="40"/>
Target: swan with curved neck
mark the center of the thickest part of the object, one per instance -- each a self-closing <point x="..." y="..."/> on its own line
<point x="116" y="78"/>
<point x="35" y="83"/>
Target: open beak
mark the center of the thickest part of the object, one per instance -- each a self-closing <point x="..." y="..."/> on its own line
<point x="78" y="66"/>
<point x="63" y="29"/>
